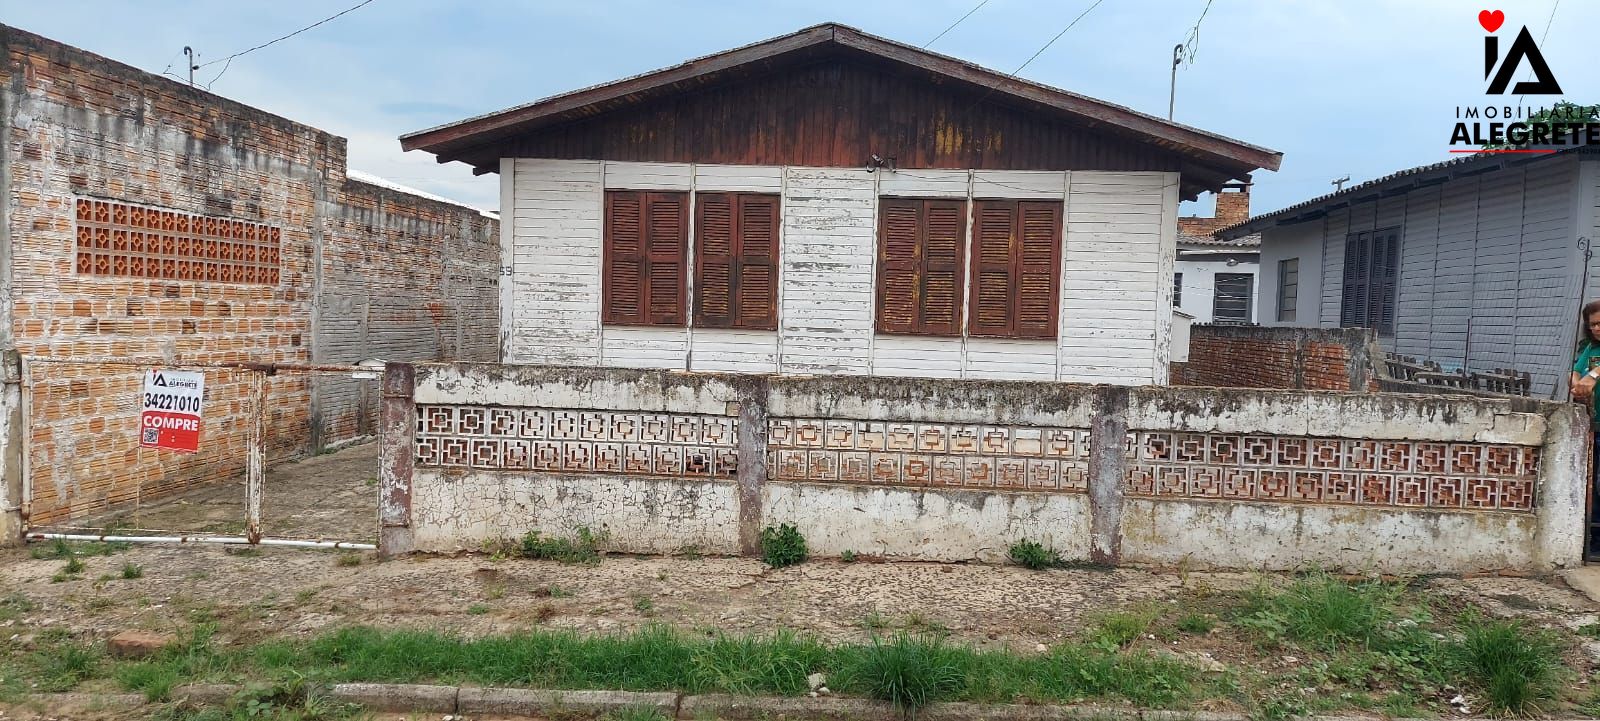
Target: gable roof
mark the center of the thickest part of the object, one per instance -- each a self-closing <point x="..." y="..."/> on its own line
<point x="1214" y="158"/>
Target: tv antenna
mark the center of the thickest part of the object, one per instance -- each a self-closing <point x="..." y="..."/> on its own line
<point x="1338" y="183"/>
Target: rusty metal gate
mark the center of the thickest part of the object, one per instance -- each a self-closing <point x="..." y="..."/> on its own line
<point x="86" y="476"/>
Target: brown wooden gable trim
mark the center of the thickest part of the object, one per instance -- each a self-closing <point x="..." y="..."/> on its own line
<point x="456" y="141"/>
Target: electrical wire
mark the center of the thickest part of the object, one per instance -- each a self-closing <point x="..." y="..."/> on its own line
<point x="954" y="24"/>
<point x="1057" y="37"/>
<point x="228" y="61"/>
<point x="1542" y="37"/>
<point x="1191" y="42"/>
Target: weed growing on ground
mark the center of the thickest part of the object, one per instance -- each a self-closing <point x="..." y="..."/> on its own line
<point x="847" y="556"/>
<point x="1117" y="629"/>
<point x="73" y="566"/>
<point x="782" y="546"/>
<point x="1591" y="630"/>
<point x="1516" y="669"/>
<point x="154" y="680"/>
<point x="874" y="621"/>
<point x="552" y="591"/>
<point x="583" y="548"/>
<point x="909" y="671"/>
<point x="347" y="560"/>
<point x="644" y="605"/>
<point x="15" y="605"/>
<point x="691" y="552"/>
<point x="131" y="571"/>
<point x="242" y="551"/>
<point x="477" y="609"/>
<point x="919" y="623"/>
<point x="57" y="548"/>
<point x="1033" y="555"/>
<point x="1322" y="612"/>
<point x="60" y="668"/>
<point x="1196" y="623"/>
<point x="495" y="592"/>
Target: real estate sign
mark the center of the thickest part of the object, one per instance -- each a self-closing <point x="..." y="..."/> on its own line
<point x="170" y="415"/>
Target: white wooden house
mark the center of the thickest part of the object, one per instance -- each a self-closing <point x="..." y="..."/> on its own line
<point x="830" y="202"/>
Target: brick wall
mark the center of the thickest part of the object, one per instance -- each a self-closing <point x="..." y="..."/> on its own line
<point x="1336" y="359"/>
<point x="79" y="126"/>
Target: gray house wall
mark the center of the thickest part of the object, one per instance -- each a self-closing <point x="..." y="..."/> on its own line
<point x="1490" y="268"/>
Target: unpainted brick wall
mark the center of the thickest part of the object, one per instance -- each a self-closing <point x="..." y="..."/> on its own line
<point x="79" y="125"/>
<point x="1332" y="359"/>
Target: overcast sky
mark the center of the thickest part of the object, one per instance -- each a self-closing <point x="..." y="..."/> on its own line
<point x="1357" y="87"/>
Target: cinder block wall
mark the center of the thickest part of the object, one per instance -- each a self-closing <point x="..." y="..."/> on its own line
<point x="1332" y="359"/>
<point x="77" y="126"/>
<point x="955" y="470"/>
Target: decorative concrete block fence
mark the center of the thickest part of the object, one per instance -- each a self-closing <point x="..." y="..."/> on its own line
<point x="958" y="470"/>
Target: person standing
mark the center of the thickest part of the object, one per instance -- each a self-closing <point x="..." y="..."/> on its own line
<point x="1585" y="373"/>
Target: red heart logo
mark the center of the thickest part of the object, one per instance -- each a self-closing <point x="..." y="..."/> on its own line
<point x="1491" y="21"/>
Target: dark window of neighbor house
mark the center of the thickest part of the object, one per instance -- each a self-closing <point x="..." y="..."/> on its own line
<point x="1371" y="266"/>
<point x="646" y="253"/>
<point x="1288" y="288"/>
<point x="1016" y="253"/>
<point x="920" y="248"/>
<point x="1231" y="302"/>
<point x="736" y="251"/>
<point x="1177" y="289"/>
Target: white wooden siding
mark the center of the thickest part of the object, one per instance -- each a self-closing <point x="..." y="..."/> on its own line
<point x="1041" y="184"/>
<point x="918" y="356"/>
<point x="1115" y="274"/>
<point x="826" y="275"/>
<point x="1112" y="280"/>
<point x="555" y="262"/>
<point x="734" y="351"/>
<point x="739" y="178"/>
<point x="649" y="176"/>
<point x="925" y="183"/>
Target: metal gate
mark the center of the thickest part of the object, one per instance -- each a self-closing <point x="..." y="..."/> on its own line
<point x="87" y="477"/>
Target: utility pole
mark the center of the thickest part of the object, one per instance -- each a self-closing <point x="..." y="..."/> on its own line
<point x="1338" y="183"/>
<point x="1172" y="94"/>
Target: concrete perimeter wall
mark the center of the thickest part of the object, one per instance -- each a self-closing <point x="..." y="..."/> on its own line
<point x="957" y="470"/>
<point x="1331" y="359"/>
<point x="141" y="217"/>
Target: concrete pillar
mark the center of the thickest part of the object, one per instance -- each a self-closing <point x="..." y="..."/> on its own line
<point x="12" y="426"/>
<point x="752" y="474"/>
<point x="1108" y="463"/>
<point x="397" y="430"/>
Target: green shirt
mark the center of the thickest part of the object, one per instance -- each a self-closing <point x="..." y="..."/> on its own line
<point x="1588" y="359"/>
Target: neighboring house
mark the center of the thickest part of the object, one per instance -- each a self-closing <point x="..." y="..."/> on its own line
<point x="145" y="218"/>
<point x="1477" y="263"/>
<point x="1214" y="280"/>
<point x="830" y="202"/>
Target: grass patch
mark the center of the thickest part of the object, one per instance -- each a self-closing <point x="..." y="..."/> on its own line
<point x="644" y="605"/>
<point x="583" y="547"/>
<point x="62" y="667"/>
<point x="782" y="546"/>
<point x="1033" y="555"/>
<point x="74" y="566"/>
<point x="1117" y="629"/>
<point x="154" y="680"/>
<point x="636" y="713"/>
<point x="908" y="671"/>
<point x="347" y="560"/>
<point x="1322" y="612"/>
<point x="1515" y="669"/>
<point x="1195" y="623"/>
<point x="131" y="571"/>
<point x="847" y="556"/>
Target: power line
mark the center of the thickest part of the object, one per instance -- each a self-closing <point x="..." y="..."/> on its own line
<point x="1191" y="42"/>
<point x="954" y="24"/>
<point x="1057" y="37"/>
<point x="1542" y="37"/>
<point x="228" y="61"/>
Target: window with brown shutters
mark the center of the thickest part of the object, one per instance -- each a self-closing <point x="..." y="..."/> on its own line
<point x="646" y="256"/>
<point x="736" y="253"/>
<point x="1371" y="266"/>
<point x="920" y="248"/>
<point x="1016" y="251"/>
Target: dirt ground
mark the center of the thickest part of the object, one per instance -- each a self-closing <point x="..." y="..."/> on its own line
<point x="333" y="496"/>
<point x="255" y="594"/>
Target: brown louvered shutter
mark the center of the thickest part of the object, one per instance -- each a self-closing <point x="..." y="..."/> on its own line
<point x="666" y="246"/>
<point x="944" y="228"/>
<point x="899" y="265"/>
<point x="756" y="292"/>
<point x="1039" y="242"/>
<point x="623" y="289"/>
<point x="714" y="260"/>
<point x="993" y="281"/>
